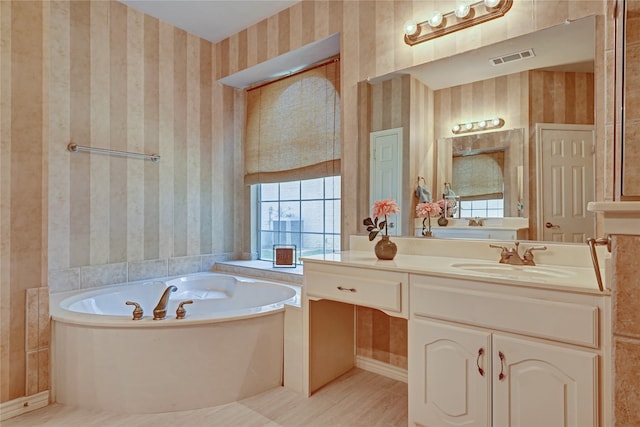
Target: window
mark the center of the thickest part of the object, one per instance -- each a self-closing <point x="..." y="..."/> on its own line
<point x="490" y="208"/>
<point x="302" y="213"/>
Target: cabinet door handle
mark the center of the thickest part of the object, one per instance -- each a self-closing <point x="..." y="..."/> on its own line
<point x="501" y="375"/>
<point x="340" y="288"/>
<point x="480" y="353"/>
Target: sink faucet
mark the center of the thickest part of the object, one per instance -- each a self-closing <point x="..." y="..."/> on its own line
<point x="160" y="312"/>
<point x="476" y="222"/>
<point x="512" y="255"/>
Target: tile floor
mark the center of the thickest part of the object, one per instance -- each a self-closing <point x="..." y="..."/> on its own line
<point x="358" y="398"/>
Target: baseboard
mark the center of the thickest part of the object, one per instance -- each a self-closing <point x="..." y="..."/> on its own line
<point x="382" y="368"/>
<point x="22" y="405"/>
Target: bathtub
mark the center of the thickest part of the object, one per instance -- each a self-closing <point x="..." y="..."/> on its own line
<point x="229" y="345"/>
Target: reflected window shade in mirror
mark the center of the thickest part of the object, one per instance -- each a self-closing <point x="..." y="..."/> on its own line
<point x="293" y="127"/>
<point x="479" y="176"/>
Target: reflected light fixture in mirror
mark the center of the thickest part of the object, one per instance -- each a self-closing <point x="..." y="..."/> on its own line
<point x="494" y="123"/>
<point x="465" y="15"/>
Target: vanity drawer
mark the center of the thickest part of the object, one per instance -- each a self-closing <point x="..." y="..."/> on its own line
<point x="383" y="290"/>
<point x="568" y="322"/>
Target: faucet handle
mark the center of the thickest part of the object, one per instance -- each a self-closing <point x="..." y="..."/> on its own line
<point x="137" y="311"/>
<point x="181" y="312"/>
<point x="536" y="248"/>
<point x="504" y="248"/>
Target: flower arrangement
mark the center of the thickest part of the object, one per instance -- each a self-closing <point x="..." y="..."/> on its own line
<point x="427" y="210"/>
<point x="380" y="209"/>
<point x="447" y="206"/>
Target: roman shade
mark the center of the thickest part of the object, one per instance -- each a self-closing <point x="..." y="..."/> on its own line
<point x="479" y="176"/>
<point x="294" y="128"/>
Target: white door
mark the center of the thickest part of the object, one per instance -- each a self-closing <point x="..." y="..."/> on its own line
<point x="565" y="169"/>
<point x="538" y="384"/>
<point x="386" y="171"/>
<point x="450" y="378"/>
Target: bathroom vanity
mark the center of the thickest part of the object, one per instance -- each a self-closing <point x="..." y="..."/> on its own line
<point x="489" y="344"/>
<point x="491" y="228"/>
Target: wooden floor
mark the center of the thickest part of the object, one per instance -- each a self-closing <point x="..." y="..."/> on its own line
<point x="358" y="398"/>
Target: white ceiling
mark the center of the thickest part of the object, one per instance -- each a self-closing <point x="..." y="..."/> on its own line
<point x="215" y="20"/>
<point x="212" y="20"/>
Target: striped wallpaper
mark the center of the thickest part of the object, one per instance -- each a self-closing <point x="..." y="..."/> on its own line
<point x="126" y="81"/>
<point x="98" y="73"/>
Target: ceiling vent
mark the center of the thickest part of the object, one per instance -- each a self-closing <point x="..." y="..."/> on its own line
<point x="524" y="54"/>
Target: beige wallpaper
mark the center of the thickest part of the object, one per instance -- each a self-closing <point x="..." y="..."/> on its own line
<point x="103" y="75"/>
<point x="100" y="74"/>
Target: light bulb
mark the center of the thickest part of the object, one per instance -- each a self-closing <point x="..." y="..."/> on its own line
<point x="482" y="124"/>
<point x="468" y="126"/>
<point x="436" y="19"/>
<point x="495" y="122"/>
<point x="462" y="10"/>
<point x="410" y="28"/>
<point x="455" y="128"/>
<point x="492" y="3"/>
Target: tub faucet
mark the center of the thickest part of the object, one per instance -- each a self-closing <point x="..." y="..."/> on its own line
<point x="160" y="312"/>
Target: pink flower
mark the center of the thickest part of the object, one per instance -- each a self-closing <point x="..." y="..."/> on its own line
<point x="450" y="203"/>
<point x="428" y="209"/>
<point x="384" y="208"/>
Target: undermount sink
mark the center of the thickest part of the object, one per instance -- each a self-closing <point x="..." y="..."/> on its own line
<point x="513" y="271"/>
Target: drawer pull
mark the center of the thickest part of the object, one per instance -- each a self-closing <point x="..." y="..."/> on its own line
<point x="501" y="375"/>
<point x="480" y="353"/>
<point x="343" y="289"/>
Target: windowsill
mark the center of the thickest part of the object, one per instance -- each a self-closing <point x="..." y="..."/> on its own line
<point x="262" y="270"/>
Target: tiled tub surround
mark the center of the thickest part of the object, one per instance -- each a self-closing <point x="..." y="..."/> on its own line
<point x="225" y="349"/>
<point x="92" y="276"/>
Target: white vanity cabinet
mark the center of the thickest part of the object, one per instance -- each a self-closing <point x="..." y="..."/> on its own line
<point x="330" y="294"/>
<point x="483" y="355"/>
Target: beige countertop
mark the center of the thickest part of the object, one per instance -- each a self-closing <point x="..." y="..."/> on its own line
<point x="576" y="278"/>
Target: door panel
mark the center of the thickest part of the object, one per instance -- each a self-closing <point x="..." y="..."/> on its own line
<point x="386" y="171"/>
<point x="566" y="182"/>
<point x="451" y="385"/>
<point x="543" y="385"/>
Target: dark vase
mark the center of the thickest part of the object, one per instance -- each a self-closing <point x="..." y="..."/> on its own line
<point x="386" y="249"/>
<point x="426" y="222"/>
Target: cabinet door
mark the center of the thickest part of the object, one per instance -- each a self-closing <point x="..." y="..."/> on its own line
<point x="449" y="378"/>
<point x="543" y="384"/>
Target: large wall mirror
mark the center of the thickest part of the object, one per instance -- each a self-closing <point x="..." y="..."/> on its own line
<point x="631" y="99"/>
<point x="487" y="166"/>
<point x="542" y="88"/>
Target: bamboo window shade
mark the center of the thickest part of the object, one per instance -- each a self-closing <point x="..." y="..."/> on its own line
<point x="479" y="176"/>
<point x="294" y="128"/>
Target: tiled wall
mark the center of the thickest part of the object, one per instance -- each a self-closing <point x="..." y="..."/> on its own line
<point x="37" y="338"/>
<point x="626" y="330"/>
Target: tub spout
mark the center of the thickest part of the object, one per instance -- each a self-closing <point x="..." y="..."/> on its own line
<point x="160" y="312"/>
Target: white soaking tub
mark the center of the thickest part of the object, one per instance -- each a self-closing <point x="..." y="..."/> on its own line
<point x="229" y="345"/>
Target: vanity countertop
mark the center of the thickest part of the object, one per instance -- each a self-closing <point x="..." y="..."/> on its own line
<point x="554" y="277"/>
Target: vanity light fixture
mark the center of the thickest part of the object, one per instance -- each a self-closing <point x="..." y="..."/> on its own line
<point x="463" y="16"/>
<point x="480" y="125"/>
<point x="435" y="20"/>
<point x="462" y="10"/>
